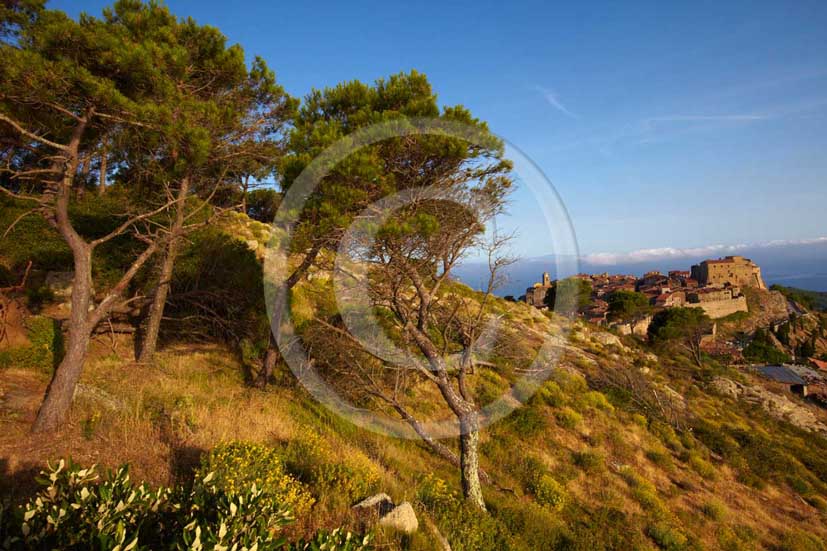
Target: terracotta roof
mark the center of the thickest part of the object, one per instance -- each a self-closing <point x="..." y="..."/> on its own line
<point x="820" y="364"/>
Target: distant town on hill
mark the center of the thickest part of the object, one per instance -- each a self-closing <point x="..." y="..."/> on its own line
<point x="802" y="265"/>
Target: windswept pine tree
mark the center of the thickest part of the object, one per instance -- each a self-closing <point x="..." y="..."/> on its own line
<point x="184" y="111"/>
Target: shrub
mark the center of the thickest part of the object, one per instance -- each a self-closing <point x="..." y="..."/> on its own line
<point x="239" y="465"/>
<point x="589" y="461"/>
<point x="552" y="394"/>
<point x="549" y="492"/>
<point x="800" y="541"/>
<point x="73" y="511"/>
<point x="468" y="529"/>
<point x="527" y="422"/>
<point x="667" y="536"/>
<point x="596" y="400"/>
<point x="660" y="458"/>
<point x="44" y="351"/>
<point x="314" y="462"/>
<point x="702" y="467"/>
<point x="568" y="418"/>
<point x="435" y="493"/>
<point x="714" y="510"/>
<point x="76" y="511"/>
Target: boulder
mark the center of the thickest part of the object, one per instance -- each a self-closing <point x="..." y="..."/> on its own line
<point x="401" y="518"/>
<point x="377" y="506"/>
<point x="607" y="339"/>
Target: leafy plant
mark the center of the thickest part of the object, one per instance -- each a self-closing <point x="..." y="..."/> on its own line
<point x="238" y="465"/>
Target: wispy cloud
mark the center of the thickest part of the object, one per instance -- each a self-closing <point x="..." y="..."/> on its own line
<point x="644" y="255"/>
<point x="554" y="100"/>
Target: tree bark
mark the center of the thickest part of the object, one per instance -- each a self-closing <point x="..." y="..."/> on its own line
<point x="149" y="340"/>
<point x="58" y="398"/>
<point x="245" y="187"/>
<point x="470" y="461"/>
<point x="272" y="354"/>
<point x="59" y="394"/>
<point x="102" y="175"/>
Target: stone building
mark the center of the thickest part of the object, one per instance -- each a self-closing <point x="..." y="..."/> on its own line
<point x="536" y="294"/>
<point x="732" y="270"/>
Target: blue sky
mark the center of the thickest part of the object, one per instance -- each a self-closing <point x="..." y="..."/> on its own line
<point x="660" y="125"/>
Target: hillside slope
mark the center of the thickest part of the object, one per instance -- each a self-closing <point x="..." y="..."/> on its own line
<point x="620" y="449"/>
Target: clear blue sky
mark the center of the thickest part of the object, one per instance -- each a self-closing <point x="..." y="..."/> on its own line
<point x="654" y="121"/>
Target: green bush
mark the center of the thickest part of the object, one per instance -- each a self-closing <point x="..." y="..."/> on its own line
<point x="702" y="467"/>
<point x="527" y="421"/>
<point x="468" y="529"/>
<point x="714" y="510"/>
<point x="568" y="418"/>
<point x="76" y="510"/>
<point x="549" y="492"/>
<point x="801" y="541"/>
<point x="660" y="458"/>
<point x="44" y="351"/>
<point x="315" y="463"/>
<point x="435" y="494"/>
<point x="239" y="465"/>
<point x="589" y="461"/>
<point x="667" y="536"/>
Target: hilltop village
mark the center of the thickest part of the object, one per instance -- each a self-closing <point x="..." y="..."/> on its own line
<point x="716" y="286"/>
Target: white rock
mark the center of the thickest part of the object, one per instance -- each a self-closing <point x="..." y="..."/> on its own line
<point x="402" y="518"/>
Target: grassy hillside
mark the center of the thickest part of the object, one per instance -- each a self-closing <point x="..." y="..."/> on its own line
<point x="590" y="463"/>
<point x="624" y="447"/>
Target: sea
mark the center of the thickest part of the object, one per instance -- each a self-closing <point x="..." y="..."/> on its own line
<point x="802" y="265"/>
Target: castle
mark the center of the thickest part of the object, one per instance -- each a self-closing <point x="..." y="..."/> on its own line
<point x="713" y="285"/>
<point x="732" y="270"/>
<point x="536" y="295"/>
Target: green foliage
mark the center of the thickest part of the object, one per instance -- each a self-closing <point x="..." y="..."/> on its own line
<point x="762" y="350"/>
<point x="801" y="541"/>
<point x="335" y="540"/>
<point x="715" y="510"/>
<point x="238" y="465"/>
<point x="37" y="296"/>
<point x="569" y="294"/>
<point x="346" y="478"/>
<point x="31" y="239"/>
<point x="44" y="351"/>
<point x="549" y="492"/>
<point x="217" y="292"/>
<point x="812" y="300"/>
<point x="702" y="467"/>
<point x="262" y="204"/>
<point x="568" y="418"/>
<point x="679" y="323"/>
<point x="78" y="510"/>
<point x="589" y="461"/>
<point x="625" y="305"/>
<point x="73" y="511"/>
<point x="667" y="536"/>
<point x="527" y="421"/>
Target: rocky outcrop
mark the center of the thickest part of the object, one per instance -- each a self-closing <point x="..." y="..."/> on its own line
<point x="777" y="405"/>
<point x="380" y="509"/>
<point x="401" y="518"/>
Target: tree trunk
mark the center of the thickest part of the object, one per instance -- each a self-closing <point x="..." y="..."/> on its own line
<point x="102" y="175"/>
<point x="149" y="340"/>
<point x="469" y="440"/>
<point x="59" y="394"/>
<point x="245" y="187"/>
<point x="61" y="389"/>
<point x="272" y="354"/>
